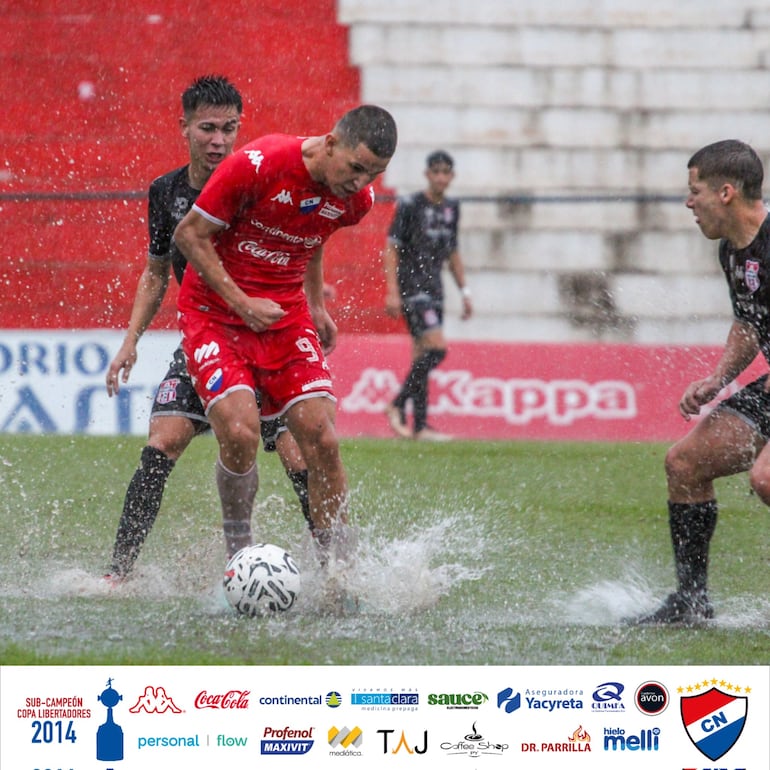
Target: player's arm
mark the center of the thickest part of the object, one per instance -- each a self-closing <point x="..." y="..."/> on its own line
<point x="457" y="269"/>
<point x="314" y="291"/>
<point x="740" y="350"/>
<point x="193" y="238"/>
<point x="149" y="294"/>
<point x="392" y="292"/>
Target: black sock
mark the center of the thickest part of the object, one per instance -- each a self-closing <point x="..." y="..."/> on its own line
<point x="299" y="482"/>
<point x="416" y="386"/>
<point x="140" y="508"/>
<point x="692" y="525"/>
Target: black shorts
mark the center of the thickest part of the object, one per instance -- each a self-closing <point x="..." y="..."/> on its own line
<point x="176" y="397"/>
<point x="422" y="313"/>
<point x="752" y="405"/>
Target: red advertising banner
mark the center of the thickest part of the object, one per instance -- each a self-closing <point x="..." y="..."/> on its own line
<point x="488" y="390"/>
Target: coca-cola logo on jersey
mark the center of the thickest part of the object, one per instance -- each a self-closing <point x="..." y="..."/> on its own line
<point x="233" y="699"/>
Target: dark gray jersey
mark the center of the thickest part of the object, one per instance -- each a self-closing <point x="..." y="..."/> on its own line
<point x="748" y="276"/>
<point x="425" y="234"/>
<point x="170" y="198"/>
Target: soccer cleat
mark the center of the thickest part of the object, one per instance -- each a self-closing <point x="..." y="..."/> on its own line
<point x="397" y="421"/>
<point x="678" y="609"/>
<point x="428" y="434"/>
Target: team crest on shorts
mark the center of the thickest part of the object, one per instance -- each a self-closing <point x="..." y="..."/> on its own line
<point x="752" y="275"/>
<point x="167" y="391"/>
<point x="714" y="721"/>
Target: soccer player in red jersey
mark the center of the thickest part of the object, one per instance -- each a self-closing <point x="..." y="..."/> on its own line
<point x="252" y="311"/>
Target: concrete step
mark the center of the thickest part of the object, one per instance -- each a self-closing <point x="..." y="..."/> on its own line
<point x="722" y="14"/>
<point x="507" y="44"/>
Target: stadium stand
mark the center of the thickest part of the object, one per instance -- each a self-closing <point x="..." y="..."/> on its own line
<point x="571" y="123"/>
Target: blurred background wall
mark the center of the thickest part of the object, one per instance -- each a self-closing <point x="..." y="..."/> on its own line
<point x="571" y="123"/>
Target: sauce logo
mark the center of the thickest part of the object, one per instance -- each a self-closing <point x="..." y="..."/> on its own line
<point x="714" y="719"/>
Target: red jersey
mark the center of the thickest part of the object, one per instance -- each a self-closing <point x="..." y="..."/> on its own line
<point x="275" y="217"/>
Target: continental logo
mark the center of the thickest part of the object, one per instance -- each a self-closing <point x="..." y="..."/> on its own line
<point x="453" y="700"/>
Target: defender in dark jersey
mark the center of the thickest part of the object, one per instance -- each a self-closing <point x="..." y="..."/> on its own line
<point x="422" y="237"/>
<point x="725" y="195"/>
<point x="212" y="109"/>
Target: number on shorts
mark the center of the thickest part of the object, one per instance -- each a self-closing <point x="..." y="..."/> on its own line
<point x="306" y="346"/>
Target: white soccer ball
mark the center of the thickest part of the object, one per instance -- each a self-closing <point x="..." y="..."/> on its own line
<point x="261" y="579"/>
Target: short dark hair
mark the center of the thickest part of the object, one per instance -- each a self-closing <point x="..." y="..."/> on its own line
<point x="439" y="157"/>
<point x="730" y="161"/>
<point x="371" y="126"/>
<point x="212" y="90"/>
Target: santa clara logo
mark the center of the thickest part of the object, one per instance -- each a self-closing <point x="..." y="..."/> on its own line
<point x="714" y="718"/>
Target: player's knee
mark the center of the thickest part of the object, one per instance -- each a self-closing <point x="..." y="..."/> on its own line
<point x="759" y="479"/>
<point x="679" y="465"/>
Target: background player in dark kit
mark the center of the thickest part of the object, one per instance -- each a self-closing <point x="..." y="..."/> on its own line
<point x="421" y="239"/>
<point x="725" y="195"/>
<point x="212" y="108"/>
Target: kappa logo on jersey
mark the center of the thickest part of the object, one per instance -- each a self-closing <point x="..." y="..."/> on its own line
<point x="714" y="720"/>
<point x="328" y="211"/>
<point x="283" y="197"/>
<point x="155" y="700"/>
<point x="256" y="157"/>
<point x="752" y="275"/>
<point x="309" y="205"/>
<point x="205" y="351"/>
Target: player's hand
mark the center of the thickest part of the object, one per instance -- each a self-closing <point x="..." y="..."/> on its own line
<point x="259" y="313"/>
<point x="467" y="309"/>
<point x="327" y="332"/>
<point x="120" y="368"/>
<point x="697" y="394"/>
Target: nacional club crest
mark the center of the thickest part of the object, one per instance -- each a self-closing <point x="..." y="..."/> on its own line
<point x="714" y="720"/>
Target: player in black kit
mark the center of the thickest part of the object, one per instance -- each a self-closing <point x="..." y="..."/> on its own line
<point x="212" y="109"/>
<point x="422" y="237"/>
<point x="725" y="195"/>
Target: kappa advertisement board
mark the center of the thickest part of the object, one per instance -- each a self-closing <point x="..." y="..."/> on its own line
<point x="54" y="382"/>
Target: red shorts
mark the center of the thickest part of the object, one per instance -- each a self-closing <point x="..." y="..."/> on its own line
<point x="285" y="365"/>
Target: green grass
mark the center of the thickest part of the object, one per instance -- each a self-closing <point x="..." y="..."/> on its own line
<point x="473" y="553"/>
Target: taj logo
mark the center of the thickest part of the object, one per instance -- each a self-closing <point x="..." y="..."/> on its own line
<point x="388" y="741"/>
<point x="714" y="720"/>
<point x="154" y="700"/>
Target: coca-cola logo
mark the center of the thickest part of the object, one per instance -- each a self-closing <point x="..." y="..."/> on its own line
<point x="233" y="699"/>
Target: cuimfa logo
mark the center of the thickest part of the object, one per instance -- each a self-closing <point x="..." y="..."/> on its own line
<point x="402" y="744"/>
<point x="607" y="698"/>
<point x="714" y="719"/>
<point x="154" y="700"/>
<point x="507" y="701"/>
